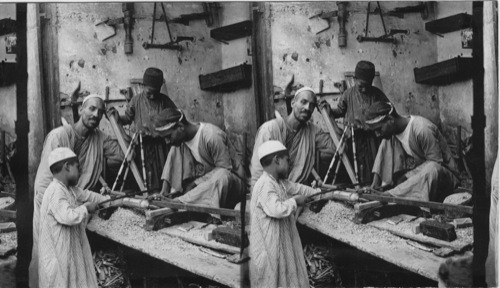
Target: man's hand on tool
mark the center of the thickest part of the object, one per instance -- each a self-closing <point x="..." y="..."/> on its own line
<point x="111" y="111"/>
<point x="91" y="206"/>
<point x="105" y="190"/>
<point x="323" y="104"/>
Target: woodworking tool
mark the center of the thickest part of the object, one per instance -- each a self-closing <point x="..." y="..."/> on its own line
<point x="173" y="44"/>
<point x="125" y="161"/>
<point x="387" y="37"/>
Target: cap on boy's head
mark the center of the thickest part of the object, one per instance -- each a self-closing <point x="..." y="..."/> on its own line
<point x="153" y="77"/>
<point x="60" y="154"/>
<point x="270" y="147"/>
<point x="365" y="70"/>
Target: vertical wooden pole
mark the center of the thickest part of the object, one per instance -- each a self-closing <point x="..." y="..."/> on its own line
<point x="262" y="61"/>
<point x="480" y="196"/>
<point x="50" y="69"/>
<point x="24" y="205"/>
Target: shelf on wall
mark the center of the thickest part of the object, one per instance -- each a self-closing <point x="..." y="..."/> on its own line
<point x="233" y="31"/>
<point x="445" y="72"/>
<point x="228" y="79"/>
<point x="449" y="24"/>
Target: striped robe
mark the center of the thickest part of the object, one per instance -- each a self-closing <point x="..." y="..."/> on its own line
<point x="302" y="146"/>
<point x="65" y="259"/>
<point x="91" y="152"/>
<point x="276" y="255"/>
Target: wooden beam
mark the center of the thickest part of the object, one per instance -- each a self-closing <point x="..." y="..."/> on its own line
<point x="262" y="61"/>
<point x="50" y="65"/>
<point x="331" y="129"/>
<point x="119" y="136"/>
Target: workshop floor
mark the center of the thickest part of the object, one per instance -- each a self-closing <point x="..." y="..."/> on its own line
<point x="143" y="271"/>
<point x="359" y="269"/>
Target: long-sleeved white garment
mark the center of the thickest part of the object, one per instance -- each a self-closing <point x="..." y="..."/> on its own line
<point x="276" y="255"/>
<point x="64" y="256"/>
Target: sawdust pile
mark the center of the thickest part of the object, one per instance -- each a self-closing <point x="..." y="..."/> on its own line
<point x="126" y="223"/>
<point x="338" y="216"/>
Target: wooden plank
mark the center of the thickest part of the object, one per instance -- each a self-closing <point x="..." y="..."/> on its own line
<point x="197" y="236"/>
<point x="196" y="208"/>
<point x="8" y="214"/>
<point x="404" y="229"/>
<point x="123" y="145"/>
<point x="334" y="221"/>
<point x="124" y="227"/>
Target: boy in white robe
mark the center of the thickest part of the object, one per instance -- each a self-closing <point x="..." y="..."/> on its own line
<point x="65" y="259"/>
<point x="276" y="255"/>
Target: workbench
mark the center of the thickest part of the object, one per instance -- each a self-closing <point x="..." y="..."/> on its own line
<point x="125" y="227"/>
<point x="334" y="221"/>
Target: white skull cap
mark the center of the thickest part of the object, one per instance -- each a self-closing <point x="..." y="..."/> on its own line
<point x="270" y="147"/>
<point x="60" y="154"/>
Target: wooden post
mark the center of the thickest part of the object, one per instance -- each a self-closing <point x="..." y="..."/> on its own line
<point x="50" y="61"/>
<point x="262" y="62"/>
<point x="480" y="196"/>
<point x="24" y="205"/>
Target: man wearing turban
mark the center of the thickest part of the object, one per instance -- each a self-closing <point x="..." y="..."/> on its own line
<point x="199" y="163"/>
<point x="352" y="106"/>
<point x="434" y="175"/>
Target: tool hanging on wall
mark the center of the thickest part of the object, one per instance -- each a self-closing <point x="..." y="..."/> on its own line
<point x="321" y="22"/>
<point x="126" y="20"/>
<point x="210" y="14"/>
<point x="174" y="41"/>
<point x="387" y="37"/>
<point x="422" y="7"/>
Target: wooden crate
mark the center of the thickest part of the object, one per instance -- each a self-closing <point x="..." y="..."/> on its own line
<point x="228" y="79"/>
<point x="445" y="72"/>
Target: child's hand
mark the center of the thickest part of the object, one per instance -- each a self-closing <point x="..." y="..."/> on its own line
<point x="91" y="206"/>
<point x="300" y="199"/>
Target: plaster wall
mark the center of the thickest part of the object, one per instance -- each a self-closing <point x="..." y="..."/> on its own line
<point x="456" y="98"/>
<point x="8" y="93"/>
<point x="97" y="64"/>
<point x="310" y="57"/>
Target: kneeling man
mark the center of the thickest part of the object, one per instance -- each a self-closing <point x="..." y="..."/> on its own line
<point x="199" y="164"/>
<point x="413" y="154"/>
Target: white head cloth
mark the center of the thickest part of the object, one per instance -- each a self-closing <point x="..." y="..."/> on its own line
<point x="171" y="124"/>
<point x="381" y="117"/>
<point x="270" y="147"/>
<point x="91" y="96"/>
<point x="302" y="90"/>
<point x="60" y="154"/>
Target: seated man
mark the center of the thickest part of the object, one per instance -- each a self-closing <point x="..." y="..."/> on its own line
<point x="301" y="137"/>
<point x="434" y="175"/>
<point x="199" y="163"/>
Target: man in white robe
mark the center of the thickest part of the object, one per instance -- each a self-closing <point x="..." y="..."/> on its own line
<point x="91" y="146"/>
